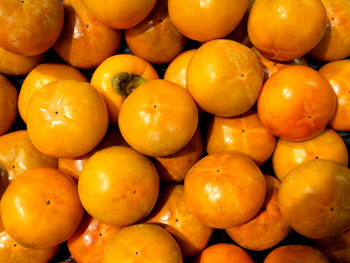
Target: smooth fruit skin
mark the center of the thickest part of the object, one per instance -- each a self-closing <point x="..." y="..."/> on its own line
<point x="145" y="243"/>
<point x="158" y="118"/>
<point x="208" y="20"/>
<point x="296" y="103"/>
<point x="85" y="42"/>
<point x="67" y="119"/>
<point x="172" y="213"/>
<point x="327" y="145"/>
<point x="102" y="79"/>
<point x="223" y="253"/>
<point x="338" y="75"/>
<point x="286" y="29"/>
<point x="41" y="208"/>
<point x="156" y="39"/>
<point x="40" y="76"/>
<point x="8" y="102"/>
<point x="120" y="14"/>
<point x="224" y="189"/>
<point x="295" y="254"/>
<point x="30" y="27"/>
<point x="121" y="179"/>
<point x="224" y="77"/>
<point x="335" y="43"/>
<point x="268" y="227"/>
<point x="314" y="198"/>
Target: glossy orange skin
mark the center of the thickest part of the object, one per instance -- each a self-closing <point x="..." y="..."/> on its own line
<point x="268" y="227"/>
<point x="336" y="248"/>
<point x="85" y="42"/>
<point x="87" y="244"/>
<point x="18" y="154"/>
<point x="244" y="133"/>
<point x="173" y="168"/>
<point x="338" y="74"/>
<point x="158" y="118"/>
<point x="272" y="66"/>
<point x="177" y="69"/>
<point x="224" y="77"/>
<point x="314" y="198"/>
<point x="30" y="27"/>
<point x="41" y="208"/>
<point x="67" y="119"/>
<point x="155" y="39"/>
<point x="223" y="253"/>
<point x="120" y="14"/>
<point x="101" y="79"/>
<point x="172" y="213"/>
<point x="8" y="104"/>
<point x="14" y="64"/>
<point x="121" y="179"/>
<point x="146" y="243"/>
<point x="327" y="145"/>
<point x="286" y="30"/>
<point x="204" y="21"/>
<point x="224" y="189"/>
<point x="335" y="43"/>
<point x="296" y="103"/>
<point x="40" y="76"/>
<point x="296" y="254"/>
<point x="74" y="166"/>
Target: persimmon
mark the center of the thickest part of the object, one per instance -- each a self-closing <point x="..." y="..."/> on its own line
<point x="223" y="253"/>
<point x="120" y="14"/>
<point x="85" y="42"/>
<point x="314" y="198"/>
<point x="173" y="168"/>
<point x="244" y="133"/>
<point x="155" y="39"/>
<point x="204" y="21"/>
<point x="89" y="240"/>
<point x="15" y="64"/>
<point x="8" y="102"/>
<point x="66" y="119"/>
<point x="145" y="243"/>
<point x="296" y="103"/>
<point x="172" y="213"/>
<point x="116" y="77"/>
<point x="327" y="145"/>
<point x="158" y="118"/>
<point x="18" y="154"/>
<point x="268" y="227"/>
<point x="335" y="43"/>
<point x="177" y="69"/>
<point x="41" y="208"/>
<point x="40" y="76"/>
<point x="224" y="77"/>
<point x="30" y="27"/>
<point x="296" y="253"/>
<point x="338" y="74"/>
<point x="336" y="248"/>
<point x="121" y="179"/>
<point x="224" y="189"/>
<point x="285" y="29"/>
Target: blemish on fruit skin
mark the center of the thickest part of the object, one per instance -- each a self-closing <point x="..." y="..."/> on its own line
<point x="332" y="209"/>
<point x="309" y="116"/>
<point x="316" y="157"/>
<point x="100" y="234"/>
<point x="48" y="202"/>
<point x="15" y="245"/>
<point x="13" y="166"/>
<point x="243" y="131"/>
<point x="134" y="192"/>
<point x="136" y="252"/>
<point x="217" y="170"/>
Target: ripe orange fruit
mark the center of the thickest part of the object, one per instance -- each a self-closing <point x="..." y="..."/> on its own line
<point x="118" y="186"/>
<point x="158" y="118"/>
<point x="224" y="77"/>
<point x="8" y="102"/>
<point x="145" y="243"/>
<point x="41" y="208"/>
<point x="224" y="189"/>
<point x="296" y="103"/>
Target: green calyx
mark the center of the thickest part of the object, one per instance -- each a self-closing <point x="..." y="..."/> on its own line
<point x="124" y="83"/>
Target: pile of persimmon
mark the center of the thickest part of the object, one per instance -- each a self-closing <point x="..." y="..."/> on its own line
<point x="170" y="131"/>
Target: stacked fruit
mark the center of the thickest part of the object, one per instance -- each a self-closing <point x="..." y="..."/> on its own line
<point x="212" y="141"/>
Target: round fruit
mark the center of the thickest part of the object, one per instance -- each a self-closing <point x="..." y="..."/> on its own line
<point x="8" y="102"/>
